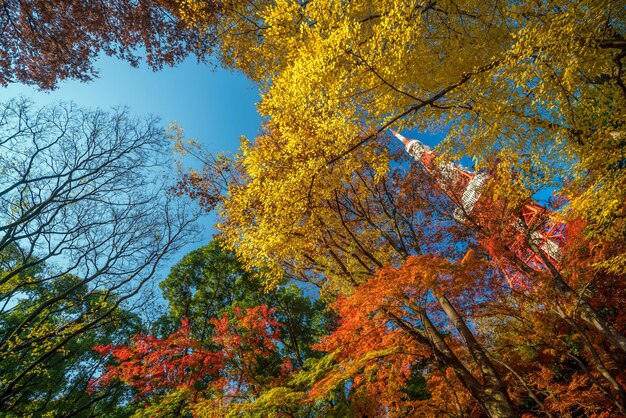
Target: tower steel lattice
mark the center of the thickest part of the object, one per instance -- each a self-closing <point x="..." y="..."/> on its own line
<point x="532" y="237"/>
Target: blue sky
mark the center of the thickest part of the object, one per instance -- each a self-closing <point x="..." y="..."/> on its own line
<point x="214" y="106"/>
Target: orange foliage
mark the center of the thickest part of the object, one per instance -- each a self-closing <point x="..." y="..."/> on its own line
<point x="376" y="356"/>
<point x="160" y="365"/>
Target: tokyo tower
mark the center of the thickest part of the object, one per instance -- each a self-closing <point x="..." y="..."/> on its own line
<point x="531" y="238"/>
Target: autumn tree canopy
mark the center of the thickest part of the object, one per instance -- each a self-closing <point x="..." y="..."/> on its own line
<point x="44" y="42"/>
<point x="531" y="92"/>
<point x="224" y="343"/>
<point x="538" y="84"/>
<point x="343" y="281"/>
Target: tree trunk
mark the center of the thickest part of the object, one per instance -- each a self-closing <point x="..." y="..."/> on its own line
<point x="493" y="399"/>
<point x="586" y="311"/>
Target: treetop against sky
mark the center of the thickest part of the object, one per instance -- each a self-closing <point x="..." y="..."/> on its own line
<point x="427" y="302"/>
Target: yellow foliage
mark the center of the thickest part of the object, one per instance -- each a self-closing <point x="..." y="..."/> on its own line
<point x="535" y="83"/>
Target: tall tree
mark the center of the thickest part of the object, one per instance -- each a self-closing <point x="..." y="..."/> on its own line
<point x="548" y="102"/>
<point x="541" y="84"/>
<point x="236" y="343"/>
<point x="210" y="281"/>
<point x="536" y="87"/>
<point x="84" y="223"/>
<point x="56" y="386"/>
<point x="447" y="313"/>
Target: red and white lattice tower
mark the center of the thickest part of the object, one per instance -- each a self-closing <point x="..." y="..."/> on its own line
<point x="465" y="188"/>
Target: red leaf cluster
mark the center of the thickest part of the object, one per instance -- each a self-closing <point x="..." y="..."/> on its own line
<point x="156" y="365"/>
